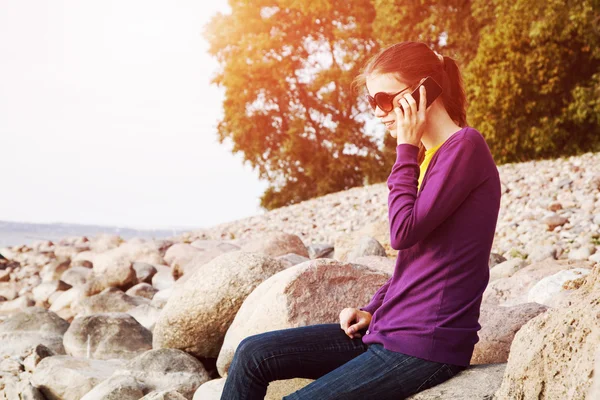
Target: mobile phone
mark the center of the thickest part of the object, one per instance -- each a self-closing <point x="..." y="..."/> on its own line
<point x="432" y="91"/>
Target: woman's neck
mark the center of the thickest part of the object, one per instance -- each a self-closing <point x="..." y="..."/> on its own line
<point x="439" y="126"/>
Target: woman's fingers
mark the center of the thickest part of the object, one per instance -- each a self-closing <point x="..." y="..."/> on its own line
<point x="422" y="103"/>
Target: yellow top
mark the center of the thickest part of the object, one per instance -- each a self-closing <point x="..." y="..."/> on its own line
<point x="428" y="156"/>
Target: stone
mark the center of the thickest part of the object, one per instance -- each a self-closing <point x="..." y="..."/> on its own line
<point x="166" y="369"/>
<point x="498" y="328"/>
<point x="22" y="332"/>
<point x="107" y="301"/>
<point x="552" y="356"/>
<point x="507" y="268"/>
<point x="277" y="244"/>
<point x="198" y="314"/>
<point x="313" y="292"/>
<point x="545" y="290"/>
<point x="106" y="336"/>
<point x="474" y="383"/>
<point x="142" y="290"/>
<point x="144" y="272"/>
<point x="70" y="378"/>
<point x="367" y="246"/>
<point x="117" y="388"/>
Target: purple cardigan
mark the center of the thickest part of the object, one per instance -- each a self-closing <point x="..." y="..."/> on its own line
<point x="430" y="306"/>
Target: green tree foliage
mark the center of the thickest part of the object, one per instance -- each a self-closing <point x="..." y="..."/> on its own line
<point x="287" y="68"/>
<point x="534" y="84"/>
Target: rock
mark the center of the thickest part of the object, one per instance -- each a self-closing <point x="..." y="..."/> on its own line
<point x="475" y="382"/>
<point x="277" y="244"/>
<point x="179" y="255"/>
<point x="213" y="389"/>
<point x="507" y="268"/>
<point x="541" y="253"/>
<point x="144" y="272"/>
<point x="76" y="276"/>
<point x="38" y="353"/>
<point x="383" y="264"/>
<point x="367" y="246"/>
<point x="514" y="290"/>
<point x="42" y="292"/>
<point x="70" y="378"/>
<point x="21" y="333"/>
<point x="104" y="242"/>
<point x="82" y="264"/>
<point x="109" y="300"/>
<point x="54" y="270"/>
<point x="498" y="327"/>
<point x="142" y="290"/>
<point x="552" y="356"/>
<point x="313" y="292"/>
<point x="4" y="276"/>
<point x="544" y="291"/>
<point x="9" y="290"/>
<point x="496" y="259"/>
<point x="167" y="369"/>
<point x="204" y="306"/>
<point x="117" y="388"/>
<point x="106" y="336"/>
<point x="555" y="221"/>
<point x="145" y="314"/>
<point x="161" y="297"/>
<point x="11" y="366"/>
<point x="62" y="304"/>
<point x="110" y="270"/>
<point x="164" y="395"/>
<point x="163" y="279"/>
<point x="582" y="253"/>
<point x="14" y="306"/>
<point x="291" y="259"/>
<point x="320" y="250"/>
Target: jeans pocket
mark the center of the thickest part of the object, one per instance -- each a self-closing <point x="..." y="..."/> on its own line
<point x="443" y="373"/>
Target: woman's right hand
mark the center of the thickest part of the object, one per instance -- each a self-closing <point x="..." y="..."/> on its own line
<point x="353" y="320"/>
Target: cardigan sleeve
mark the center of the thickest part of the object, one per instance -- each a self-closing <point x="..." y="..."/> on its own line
<point x="377" y="298"/>
<point x="450" y="180"/>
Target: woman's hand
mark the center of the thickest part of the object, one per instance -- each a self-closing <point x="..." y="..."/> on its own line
<point x="353" y="320"/>
<point x="410" y="124"/>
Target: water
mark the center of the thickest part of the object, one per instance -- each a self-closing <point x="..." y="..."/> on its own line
<point x="17" y="233"/>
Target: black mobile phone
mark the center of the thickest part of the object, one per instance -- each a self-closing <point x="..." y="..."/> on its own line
<point x="432" y="91"/>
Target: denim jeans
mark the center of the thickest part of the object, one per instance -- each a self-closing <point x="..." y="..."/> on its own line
<point x="344" y="368"/>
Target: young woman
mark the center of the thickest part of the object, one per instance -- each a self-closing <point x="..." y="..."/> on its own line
<point x="420" y="328"/>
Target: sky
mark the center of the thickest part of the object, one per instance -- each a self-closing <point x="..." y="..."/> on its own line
<point x="107" y="116"/>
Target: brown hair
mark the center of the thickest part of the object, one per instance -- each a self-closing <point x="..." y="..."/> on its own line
<point x="412" y="61"/>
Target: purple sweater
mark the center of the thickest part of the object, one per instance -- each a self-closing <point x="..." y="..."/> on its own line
<point x="430" y="306"/>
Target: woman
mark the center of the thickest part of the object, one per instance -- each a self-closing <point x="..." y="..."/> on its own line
<point x="420" y="328"/>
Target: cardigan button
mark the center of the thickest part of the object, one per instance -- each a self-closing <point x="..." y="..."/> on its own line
<point x="367" y="332"/>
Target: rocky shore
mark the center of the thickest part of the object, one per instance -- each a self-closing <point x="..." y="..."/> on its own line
<point x="104" y="318"/>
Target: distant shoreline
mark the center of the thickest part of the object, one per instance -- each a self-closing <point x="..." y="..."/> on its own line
<point x="18" y="233"/>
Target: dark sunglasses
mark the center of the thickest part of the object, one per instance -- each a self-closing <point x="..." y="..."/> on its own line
<point x="384" y="100"/>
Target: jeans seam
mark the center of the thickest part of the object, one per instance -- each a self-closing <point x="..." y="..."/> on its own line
<point x="432" y="375"/>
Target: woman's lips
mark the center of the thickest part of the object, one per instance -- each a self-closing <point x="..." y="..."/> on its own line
<point x="389" y="124"/>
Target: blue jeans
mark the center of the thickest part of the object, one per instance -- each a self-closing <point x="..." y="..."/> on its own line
<point x="344" y="368"/>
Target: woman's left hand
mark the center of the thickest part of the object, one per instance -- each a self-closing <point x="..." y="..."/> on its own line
<point x="410" y="124"/>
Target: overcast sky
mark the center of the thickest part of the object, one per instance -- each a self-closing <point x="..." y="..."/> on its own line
<point x="107" y="117"/>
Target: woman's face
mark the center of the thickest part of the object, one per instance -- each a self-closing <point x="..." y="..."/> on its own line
<point x="387" y="83"/>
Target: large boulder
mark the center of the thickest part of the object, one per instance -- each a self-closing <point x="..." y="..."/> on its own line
<point x="515" y="289"/>
<point x="109" y="300"/>
<point x="117" y="388"/>
<point x="107" y="336"/>
<point x="29" y="328"/>
<point x="198" y="314"/>
<point x="70" y="378"/>
<point x="474" y="383"/>
<point x="498" y="328"/>
<point x="277" y="244"/>
<point x="552" y="355"/>
<point x="213" y="389"/>
<point x="166" y="369"/>
<point x="313" y="292"/>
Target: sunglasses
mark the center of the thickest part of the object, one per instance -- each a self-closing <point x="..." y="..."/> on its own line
<point x="384" y="100"/>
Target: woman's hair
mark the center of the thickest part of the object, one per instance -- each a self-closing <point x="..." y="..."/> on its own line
<point x="412" y="61"/>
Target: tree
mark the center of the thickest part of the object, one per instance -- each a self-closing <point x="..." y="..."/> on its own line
<point x="534" y="85"/>
<point x="287" y="68"/>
